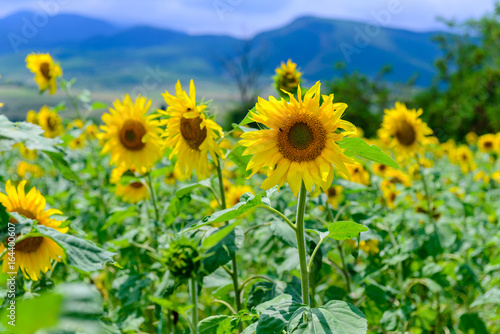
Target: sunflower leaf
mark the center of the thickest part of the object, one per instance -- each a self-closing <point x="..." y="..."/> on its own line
<point x="358" y="147"/>
<point x="22" y="132"/>
<point x="345" y="230"/>
<point x="80" y="253"/>
<point x="62" y="165"/>
<point x="247" y="119"/>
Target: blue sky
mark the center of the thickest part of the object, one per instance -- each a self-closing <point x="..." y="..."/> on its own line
<point x="244" y="18"/>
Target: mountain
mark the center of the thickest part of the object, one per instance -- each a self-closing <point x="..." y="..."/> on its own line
<point x="106" y="57"/>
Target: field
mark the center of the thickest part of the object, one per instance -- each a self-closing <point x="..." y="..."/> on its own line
<point x="342" y="207"/>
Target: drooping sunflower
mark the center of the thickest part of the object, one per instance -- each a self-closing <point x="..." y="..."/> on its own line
<point x="190" y="133"/>
<point x="405" y="131"/>
<point x="299" y="143"/>
<point x="46" y="71"/>
<point x="32" y="255"/>
<point x="50" y="122"/>
<point x="486" y="143"/>
<point x="131" y="136"/>
<point x="287" y="77"/>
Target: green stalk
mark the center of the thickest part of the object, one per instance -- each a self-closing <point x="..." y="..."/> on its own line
<point x="234" y="272"/>
<point x="301" y="243"/>
<point x="193" y="292"/>
<point x="430" y="212"/>
<point x="345" y="271"/>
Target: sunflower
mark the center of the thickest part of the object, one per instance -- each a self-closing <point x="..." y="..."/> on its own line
<point x="33" y="255"/>
<point x="287" y="77"/>
<point x="24" y="168"/>
<point x="189" y="133"/>
<point x="26" y="152"/>
<point x="405" y="131"/>
<point x="380" y="169"/>
<point x="358" y="174"/>
<point x="50" y="122"/>
<point x="463" y="157"/>
<point x="482" y="176"/>
<point x="92" y="130"/>
<point x="334" y="195"/>
<point x="389" y="192"/>
<point x="471" y="138"/>
<point x="132" y="137"/>
<point x="487" y="143"/>
<point x="77" y="123"/>
<point x="300" y="142"/>
<point x="78" y="142"/>
<point x="133" y="192"/>
<point x="46" y="71"/>
<point x="32" y="117"/>
<point x="369" y="246"/>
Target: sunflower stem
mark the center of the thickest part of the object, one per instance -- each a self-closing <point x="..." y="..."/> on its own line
<point x="426" y="190"/>
<point x="193" y="292"/>
<point x="234" y="271"/>
<point x="301" y="243"/>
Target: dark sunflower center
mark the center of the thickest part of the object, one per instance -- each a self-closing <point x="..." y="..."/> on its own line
<point x="464" y="157"/>
<point x="29" y="245"/>
<point x="23" y="212"/>
<point x="301" y="138"/>
<point x="131" y="135"/>
<point x="289" y="80"/>
<point x="192" y="133"/>
<point x="52" y="123"/>
<point x="382" y="167"/>
<point x="136" y="185"/>
<point x="332" y="192"/>
<point x="488" y="144"/>
<point x="393" y="197"/>
<point x="406" y="134"/>
<point x="45" y="70"/>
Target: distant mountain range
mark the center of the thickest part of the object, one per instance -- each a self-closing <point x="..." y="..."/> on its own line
<point x="104" y="55"/>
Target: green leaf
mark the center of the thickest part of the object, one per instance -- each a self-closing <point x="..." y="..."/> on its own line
<point x="30" y="135"/>
<point x="247" y="118"/>
<point x="4" y="216"/>
<point x="62" y="165"/>
<point x="472" y="323"/>
<point x="357" y="146"/>
<point x="275" y="318"/>
<point x="490" y="297"/>
<point x="236" y="156"/>
<point x="343" y="230"/>
<point x="189" y="188"/>
<point x="223" y="251"/>
<point x="33" y="314"/>
<point x="80" y="253"/>
<point x="234" y="212"/>
<point x="209" y="325"/>
<point x="338" y="317"/>
<point x="251" y="329"/>
<point x="284" y="233"/>
<point x="119" y="216"/>
<point x="279" y="299"/>
<point x="99" y="105"/>
<point x="215" y="238"/>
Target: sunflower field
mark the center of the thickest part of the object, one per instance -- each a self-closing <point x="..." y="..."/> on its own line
<point x="134" y="219"/>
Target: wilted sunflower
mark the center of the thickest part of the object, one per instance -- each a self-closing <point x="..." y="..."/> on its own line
<point x="287" y="77"/>
<point x="50" y="122"/>
<point x="189" y="133"/>
<point x="46" y="71"/>
<point x="300" y="142"/>
<point x="405" y="131"/>
<point x="33" y="255"/>
<point x="131" y="136"/>
<point x="487" y="143"/>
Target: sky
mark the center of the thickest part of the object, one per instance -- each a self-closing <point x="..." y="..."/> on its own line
<point x="245" y="18"/>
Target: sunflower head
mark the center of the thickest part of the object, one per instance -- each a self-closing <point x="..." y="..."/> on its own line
<point x="26" y="152"/>
<point x="189" y="133"/>
<point x="389" y="192"/>
<point x="358" y="174"/>
<point x="24" y="168"/>
<point x="334" y="195"/>
<point x="299" y="142"/>
<point x="46" y="71"/>
<point x="33" y="255"/>
<point x="182" y="258"/>
<point x="471" y="138"/>
<point x="487" y="143"/>
<point x="50" y="122"/>
<point x="92" y="130"/>
<point x="404" y="131"/>
<point x="463" y="157"/>
<point x="287" y="77"/>
<point x="131" y="136"/>
<point x="78" y="142"/>
<point x="369" y="246"/>
<point x="132" y="192"/>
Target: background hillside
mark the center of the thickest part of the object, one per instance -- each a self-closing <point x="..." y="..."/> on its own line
<point x="112" y="60"/>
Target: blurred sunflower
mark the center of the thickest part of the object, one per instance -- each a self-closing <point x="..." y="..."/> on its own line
<point x="76" y="123"/>
<point x="463" y="157"/>
<point x="482" y="176"/>
<point x="471" y="138"/>
<point x="405" y="131"/>
<point x="172" y="176"/>
<point x="358" y="174"/>
<point x="92" y="130"/>
<point x="396" y="176"/>
<point x="380" y="169"/>
<point x="131" y="136"/>
<point x="32" y="117"/>
<point x="486" y="143"/>
<point x="287" y="77"/>
<point x="449" y="147"/>
<point x="369" y="246"/>
<point x="132" y="192"/>
<point x="50" y="122"/>
<point x="33" y="255"/>
<point x="46" y="71"/>
<point x="334" y="195"/>
<point x="23" y="168"/>
<point x="26" y="152"/>
<point x="234" y="192"/>
<point x="189" y="133"/>
<point x="300" y="142"/>
<point x="389" y="192"/>
<point x="78" y="142"/>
